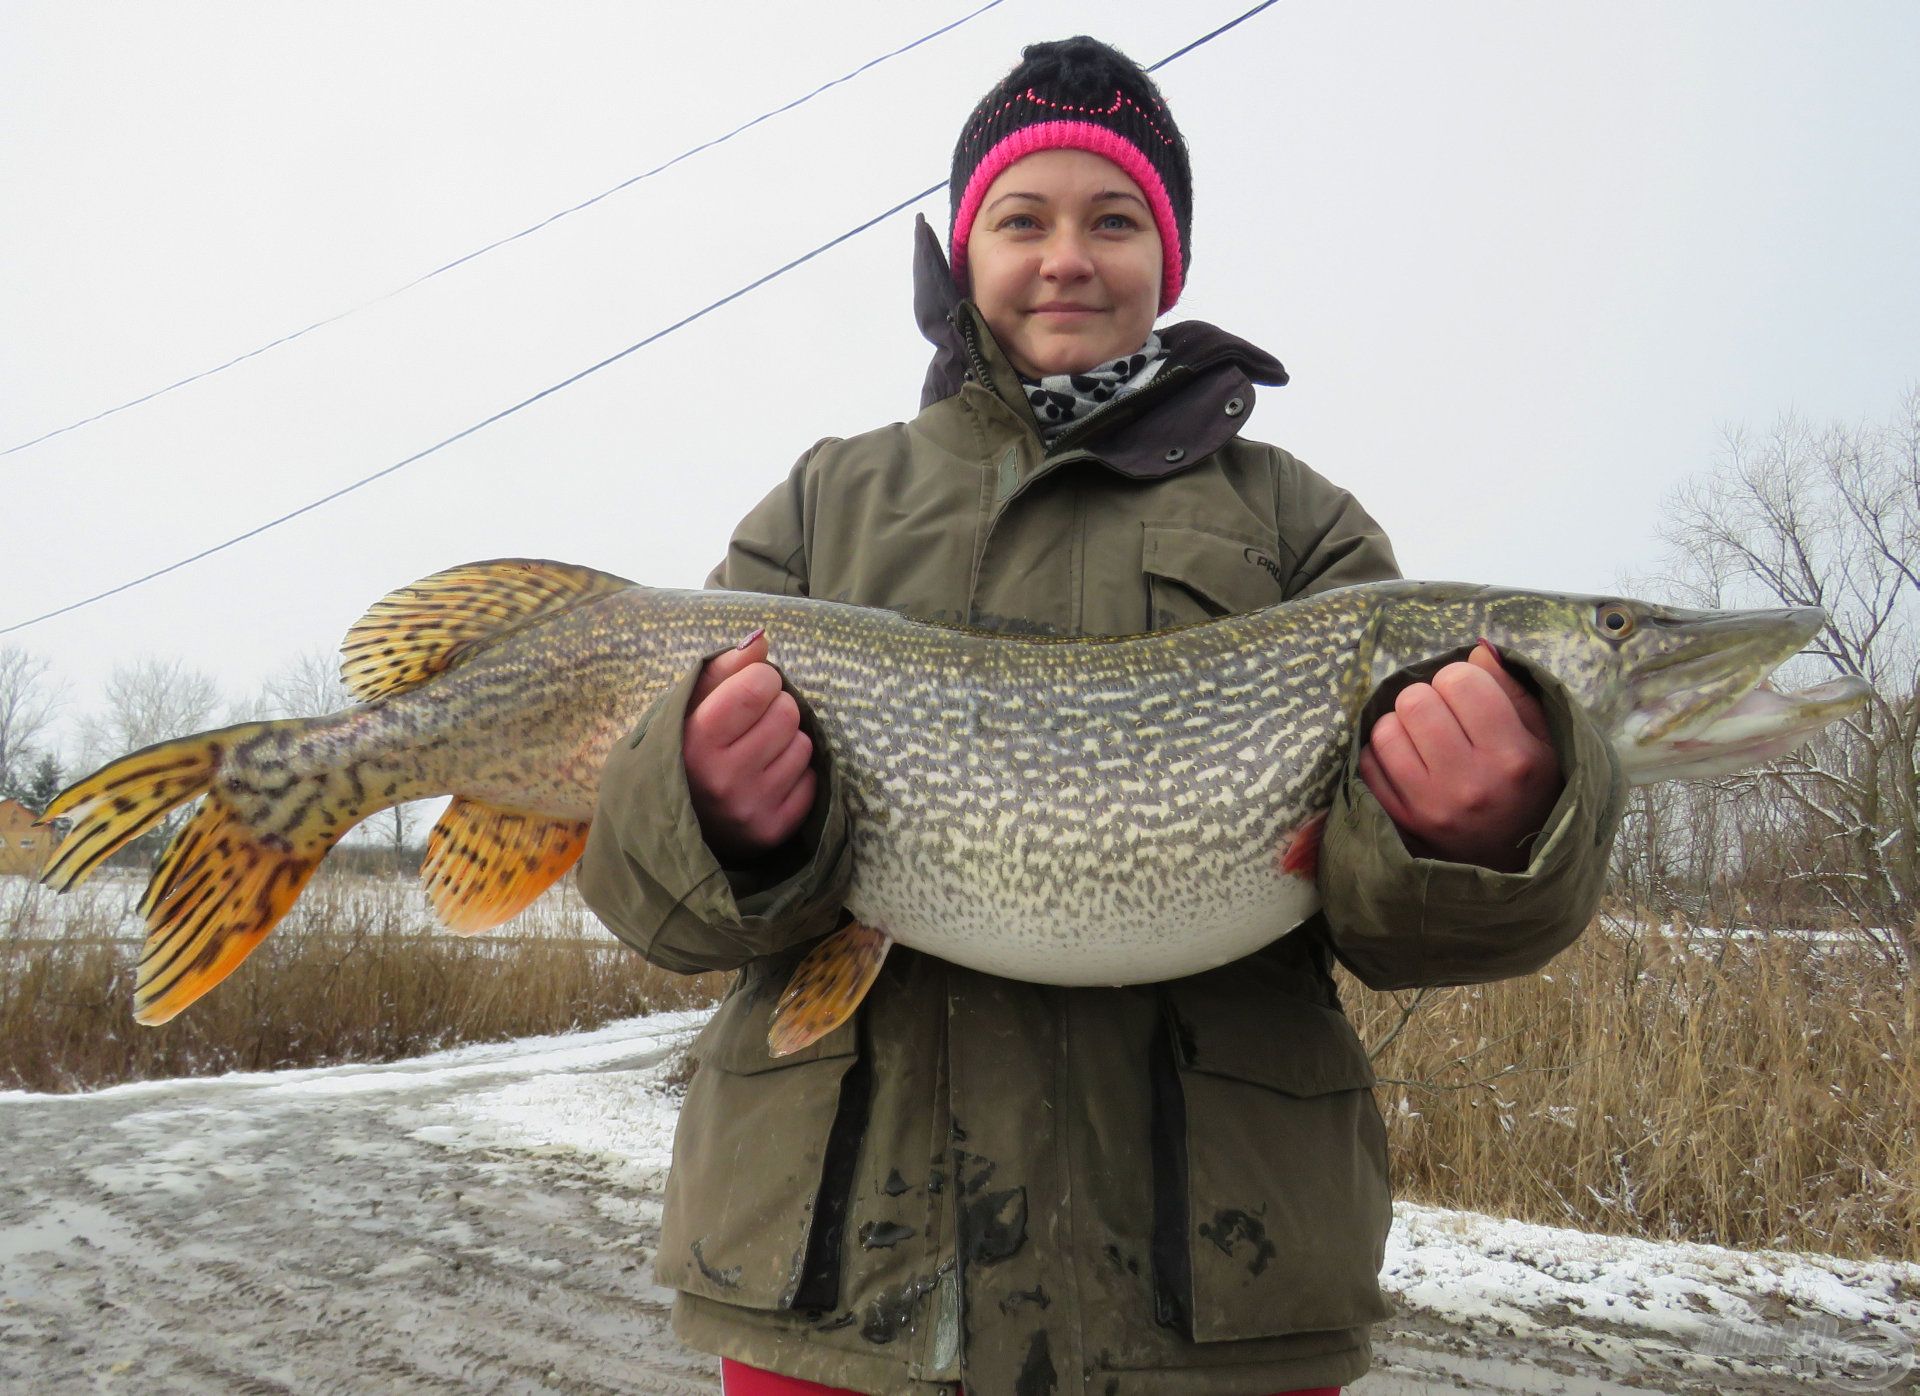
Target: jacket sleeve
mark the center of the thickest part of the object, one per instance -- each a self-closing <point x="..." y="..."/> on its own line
<point x="648" y="874"/>
<point x="1398" y="921"/>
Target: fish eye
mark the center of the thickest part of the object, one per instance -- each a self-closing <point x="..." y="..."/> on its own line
<point x="1615" y="621"/>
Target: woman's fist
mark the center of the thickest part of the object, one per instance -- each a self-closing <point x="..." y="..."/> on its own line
<point x="1463" y="765"/>
<point x="747" y="759"/>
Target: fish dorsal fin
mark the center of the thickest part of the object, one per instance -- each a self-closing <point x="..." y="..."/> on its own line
<point x="425" y="629"/>
<point x="485" y="864"/>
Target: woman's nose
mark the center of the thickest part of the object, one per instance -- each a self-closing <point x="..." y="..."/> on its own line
<point x="1066" y="258"/>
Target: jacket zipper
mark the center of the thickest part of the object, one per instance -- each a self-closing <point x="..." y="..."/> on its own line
<point x="1080" y="429"/>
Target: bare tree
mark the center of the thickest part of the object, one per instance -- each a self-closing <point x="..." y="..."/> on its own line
<point x="26" y="710"/>
<point x="309" y="685"/>
<point x="146" y="701"/>
<point x="143" y="702"/>
<point x="1830" y="518"/>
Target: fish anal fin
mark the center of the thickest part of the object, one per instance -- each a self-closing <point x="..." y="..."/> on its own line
<point x="1299" y="852"/>
<point x="826" y="987"/>
<point x="424" y="629"/>
<point x="485" y="864"/>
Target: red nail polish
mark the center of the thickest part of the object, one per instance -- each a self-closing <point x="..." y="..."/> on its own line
<point x="758" y="631"/>
<point x="1491" y="647"/>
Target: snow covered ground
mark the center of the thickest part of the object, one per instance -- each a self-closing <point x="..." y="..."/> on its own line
<point x="483" y="1220"/>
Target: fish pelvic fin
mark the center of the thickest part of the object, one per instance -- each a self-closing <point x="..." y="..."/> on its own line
<point x="485" y="864"/>
<point x="412" y="634"/>
<point x="1299" y="852"/>
<point x="827" y="986"/>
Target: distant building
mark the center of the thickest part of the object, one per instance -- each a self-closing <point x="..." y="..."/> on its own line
<point x="23" y="848"/>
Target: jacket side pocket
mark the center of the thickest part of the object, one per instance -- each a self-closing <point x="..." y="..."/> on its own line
<point x="762" y="1156"/>
<point x="1271" y="1196"/>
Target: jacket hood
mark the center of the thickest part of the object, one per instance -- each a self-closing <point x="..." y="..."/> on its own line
<point x="1210" y="404"/>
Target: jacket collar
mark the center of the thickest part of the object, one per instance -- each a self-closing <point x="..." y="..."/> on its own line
<point x="1205" y="397"/>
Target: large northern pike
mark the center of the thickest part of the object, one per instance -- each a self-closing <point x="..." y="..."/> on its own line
<point x="1067" y="811"/>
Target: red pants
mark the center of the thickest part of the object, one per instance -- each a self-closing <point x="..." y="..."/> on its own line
<point x="741" y="1380"/>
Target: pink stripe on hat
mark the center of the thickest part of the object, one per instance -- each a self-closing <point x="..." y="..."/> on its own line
<point x="1073" y="135"/>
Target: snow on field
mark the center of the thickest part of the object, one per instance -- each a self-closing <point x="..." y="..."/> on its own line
<point x="103" y="907"/>
<point x="1633" y="1301"/>
<point x="1467" y="1284"/>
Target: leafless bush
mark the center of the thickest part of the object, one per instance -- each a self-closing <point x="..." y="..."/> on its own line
<point x="1805" y="517"/>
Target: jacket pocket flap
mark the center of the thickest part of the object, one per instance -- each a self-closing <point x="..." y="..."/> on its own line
<point x="735" y="1039"/>
<point x="1237" y="573"/>
<point x="1271" y="1039"/>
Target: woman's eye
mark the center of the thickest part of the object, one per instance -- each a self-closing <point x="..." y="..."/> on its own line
<point x="1116" y="221"/>
<point x="1018" y="222"/>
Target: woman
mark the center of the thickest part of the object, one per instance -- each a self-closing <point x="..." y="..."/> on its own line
<point x="1174" y="1188"/>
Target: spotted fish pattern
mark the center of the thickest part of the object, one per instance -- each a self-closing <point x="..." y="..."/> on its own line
<point x="1066" y="811"/>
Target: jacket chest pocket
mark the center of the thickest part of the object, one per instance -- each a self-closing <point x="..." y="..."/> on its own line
<point x="1271" y="1201"/>
<point x="1196" y="574"/>
<point x="761" y="1155"/>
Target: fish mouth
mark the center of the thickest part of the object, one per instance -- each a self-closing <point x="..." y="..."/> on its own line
<point x="1705" y="706"/>
<point x="1761" y="726"/>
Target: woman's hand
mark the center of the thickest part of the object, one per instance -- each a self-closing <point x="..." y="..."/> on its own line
<point x="1463" y="765"/>
<point x="746" y="757"/>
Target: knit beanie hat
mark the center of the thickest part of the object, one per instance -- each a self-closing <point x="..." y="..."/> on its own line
<point x="1078" y="94"/>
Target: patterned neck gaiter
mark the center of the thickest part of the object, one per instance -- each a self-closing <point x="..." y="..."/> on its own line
<point x="1061" y="399"/>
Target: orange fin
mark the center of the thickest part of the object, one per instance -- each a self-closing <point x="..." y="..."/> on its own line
<point x="826" y="987"/>
<point x="217" y="891"/>
<point x="232" y="870"/>
<point x="125" y="798"/>
<point x="412" y="634"/>
<point x="485" y="864"/>
<point x="1299" y="852"/>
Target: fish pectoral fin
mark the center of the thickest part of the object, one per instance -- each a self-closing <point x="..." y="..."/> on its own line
<point x="1299" y="852"/>
<point x="826" y="987"/>
<point x="485" y="864"/>
<point x="412" y="634"/>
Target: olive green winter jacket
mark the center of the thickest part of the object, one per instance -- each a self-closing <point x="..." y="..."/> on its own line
<point x="1178" y="1189"/>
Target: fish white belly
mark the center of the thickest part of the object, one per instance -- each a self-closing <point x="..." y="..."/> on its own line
<point x="1134" y="926"/>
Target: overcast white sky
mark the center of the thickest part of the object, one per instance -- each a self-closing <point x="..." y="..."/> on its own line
<point x="1524" y="260"/>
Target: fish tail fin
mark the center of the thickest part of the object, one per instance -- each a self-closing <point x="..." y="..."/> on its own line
<point x="122" y="800"/>
<point x="230" y="873"/>
<point x="218" y="889"/>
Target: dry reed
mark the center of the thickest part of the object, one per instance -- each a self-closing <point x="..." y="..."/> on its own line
<point x="357" y="972"/>
<point x="1758" y="1090"/>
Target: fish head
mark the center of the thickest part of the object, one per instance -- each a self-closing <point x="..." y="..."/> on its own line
<point x="1678" y="692"/>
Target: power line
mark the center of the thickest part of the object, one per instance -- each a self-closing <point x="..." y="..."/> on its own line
<point x="567" y="382"/>
<point x="504" y="412"/>
<point x="502" y="242"/>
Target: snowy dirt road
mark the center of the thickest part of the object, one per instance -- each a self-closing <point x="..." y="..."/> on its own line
<point x="307" y="1235"/>
<point x="483" y="1221"/>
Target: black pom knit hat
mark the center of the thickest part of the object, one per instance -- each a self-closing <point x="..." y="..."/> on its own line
<point x="1078" y="94"/>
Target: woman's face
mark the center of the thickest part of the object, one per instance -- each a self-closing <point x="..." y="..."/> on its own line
<point x="1065" y="262"/>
